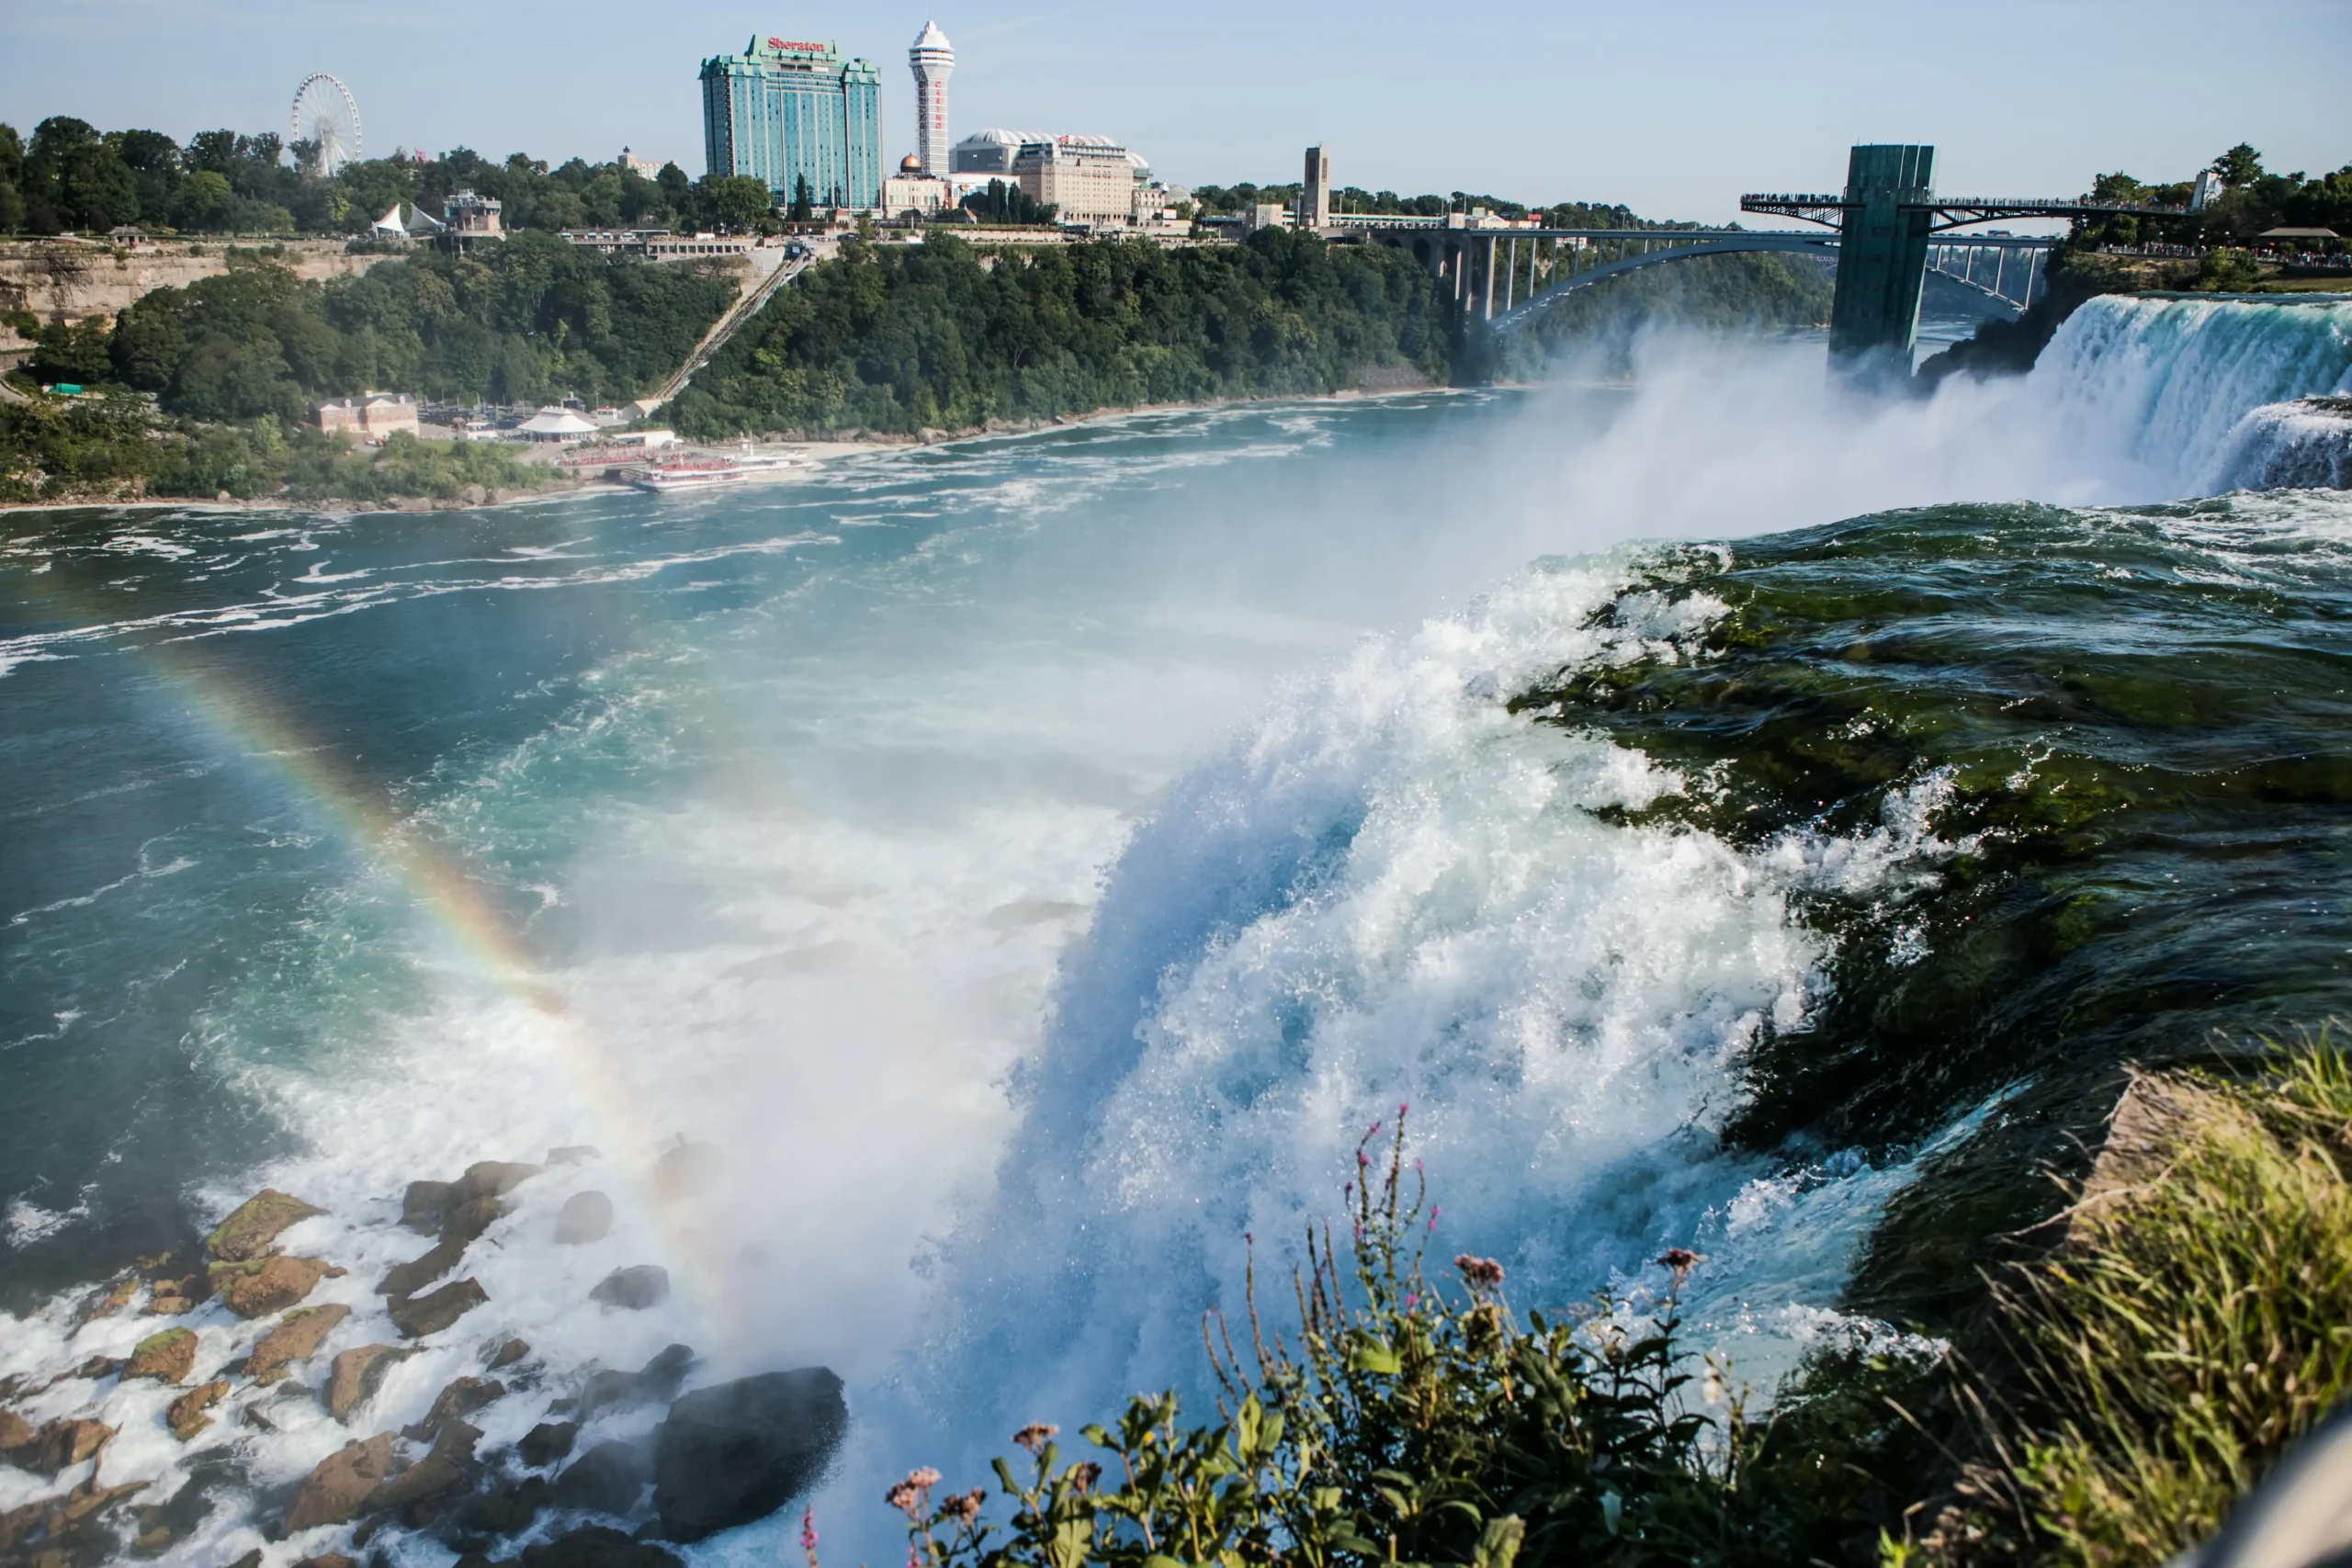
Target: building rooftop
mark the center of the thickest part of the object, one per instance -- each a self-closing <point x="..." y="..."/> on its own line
<point x="933" y="39"/>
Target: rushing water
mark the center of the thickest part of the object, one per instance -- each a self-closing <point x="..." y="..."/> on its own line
<point x="1033" y="862"/>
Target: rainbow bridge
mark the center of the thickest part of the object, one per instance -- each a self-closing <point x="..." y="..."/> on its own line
<point x="1884" y="232"/>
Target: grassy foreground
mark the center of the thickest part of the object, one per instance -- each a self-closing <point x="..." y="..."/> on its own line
<point x="2195" y="1318"/>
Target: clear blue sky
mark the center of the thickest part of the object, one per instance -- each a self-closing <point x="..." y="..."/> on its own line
<point x="1672" y="109"/>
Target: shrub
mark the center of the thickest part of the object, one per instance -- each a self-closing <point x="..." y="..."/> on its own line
<point x="1416" y="1422"/>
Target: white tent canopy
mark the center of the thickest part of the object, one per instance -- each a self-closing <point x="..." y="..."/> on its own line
<point x="554" y="424"/>
<point x="390" y="223"/>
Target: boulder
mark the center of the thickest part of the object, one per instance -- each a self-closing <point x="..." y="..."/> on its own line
<point x="461" y="1209"/>
<point x="297" y="1338"/>
<point x="546" y="1443"/>
<point x="424" y="1202"/>
<point x="16" y="1434"/>
<point x="162" y="1526"/>
<point x="607" y="1479"/>
<point x="276" y="1282"/>
<point x="447" y="1469"/>
<point x="687" y="1169"/>
<point x="57" y="1524"/>
<point x="355" y="1376"/>
<point x="417" y="1316"/>
<point x="739" y="1451"/>
<point x="186" y="1415"/>
<point x="328" y="1560"/>
<point x="168" y="1357"/>
<point x="101" y="1367"/>
<point x="597" y="1546"/>
<point x="505" y="1353"/>
<point x="585" y="1216"/>
<point x="634" y="1289"/>
<point x="506" y="1510"/>
<point x="467" y="1219"/>
<point x="65" y="1444"/>
<point x="657" y="1381"/>
<point x="461" y="1398"/>
<point x="407" y="1279"/>
<point x="340" y="1485"/>
<point x="252" y="1231"/>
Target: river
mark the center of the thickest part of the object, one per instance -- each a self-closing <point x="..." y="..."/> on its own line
<point x="1032" y="862"/>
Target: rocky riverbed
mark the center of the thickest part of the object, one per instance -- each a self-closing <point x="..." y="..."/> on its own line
<point x="174" y="1406"/>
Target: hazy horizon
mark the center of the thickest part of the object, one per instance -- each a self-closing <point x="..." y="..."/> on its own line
<point x="1672" y="112"/>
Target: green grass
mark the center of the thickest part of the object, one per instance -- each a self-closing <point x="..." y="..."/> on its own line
<point x="2196" y="1320"/>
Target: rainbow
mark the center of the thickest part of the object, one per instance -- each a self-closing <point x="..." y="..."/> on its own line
<point x="241" y="720"/>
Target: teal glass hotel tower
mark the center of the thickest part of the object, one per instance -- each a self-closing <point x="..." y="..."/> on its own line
<point x="784" y="109"/>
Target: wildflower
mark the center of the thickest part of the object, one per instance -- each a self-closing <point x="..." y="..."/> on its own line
<point x="1681" y="1259"/>
<point x="965" y="1507"/>
<point x="1033" y="1436"/>
<point x="912" y="1495"/>
<point x="1480" y="1273"/>
<point x="809" y="1535"/>
<point x="1083" y="1476"/>
<point x="1434" y="1212"/>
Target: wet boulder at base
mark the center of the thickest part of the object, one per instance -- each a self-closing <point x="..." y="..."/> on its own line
<point x="250" y="1232"/>
<point x="635" y="1288"/>
<point x="167" y="1357"/>
<point x="65" y="1443"/>
<point x="407" y="1279"/>
<point x="447" y="1469"/>
<point x="459" y="1398"/>
<point x="548" y="1443"/>
<point x="297" y="1338"/>
<point x="584" y="1217"/>
<point x="417" y="1316"/>
<point x="16" y="1434"/>
<point x="341" y="1484"/>
<point x="655" y="1382"/>
<point x="738" y="1452"/>
<point x="187" y="1415"/>
<point x="607" y="1479"/>
<point x="356" y="1374"/>
<point x="276" y="1282"/>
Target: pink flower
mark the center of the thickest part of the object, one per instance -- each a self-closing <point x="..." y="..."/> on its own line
<point x="1033" y="1436"/>
<point x="1681" y="1259"/>
<point x="1481" y="1274"/>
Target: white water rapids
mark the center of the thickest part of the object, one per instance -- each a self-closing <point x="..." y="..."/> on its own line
<point x="1045" y="881"/>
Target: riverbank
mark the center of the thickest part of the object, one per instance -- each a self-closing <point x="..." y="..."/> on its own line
<point x="560" y="488"/>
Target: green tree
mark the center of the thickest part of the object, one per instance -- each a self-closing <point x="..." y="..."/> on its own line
<point x="12" y="179"/>
<point x="2240" y="166"/>
<point x="736" y="202"/>
<point x="804" y="206"/>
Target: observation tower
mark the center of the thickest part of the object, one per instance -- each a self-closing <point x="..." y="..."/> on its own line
<point x="931" y="59"/>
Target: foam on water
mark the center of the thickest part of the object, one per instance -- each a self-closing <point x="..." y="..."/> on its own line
<point x="1013" y="1017"/>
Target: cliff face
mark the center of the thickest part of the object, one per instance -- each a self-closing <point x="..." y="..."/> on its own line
<point x="66" y="280"/>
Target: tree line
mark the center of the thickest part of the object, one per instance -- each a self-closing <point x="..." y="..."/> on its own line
<point x="949" y="336"/>
<point x="2254" y="199"/>
<point x="71" y="178"/>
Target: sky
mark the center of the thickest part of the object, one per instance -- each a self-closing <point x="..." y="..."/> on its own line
<point x="1671" y="108"/>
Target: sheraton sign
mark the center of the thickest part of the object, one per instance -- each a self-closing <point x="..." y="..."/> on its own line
<point x="785" y="43"/>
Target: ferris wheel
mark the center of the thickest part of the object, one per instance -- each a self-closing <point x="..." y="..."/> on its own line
<point x="325" y="114"/>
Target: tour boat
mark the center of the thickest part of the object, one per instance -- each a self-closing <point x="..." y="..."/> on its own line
<point x="686" y="473"/>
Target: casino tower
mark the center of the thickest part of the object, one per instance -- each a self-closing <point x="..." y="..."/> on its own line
<point x="931" y="59"/>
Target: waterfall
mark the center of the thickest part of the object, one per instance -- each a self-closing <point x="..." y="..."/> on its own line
<point x="2172" y="380"/>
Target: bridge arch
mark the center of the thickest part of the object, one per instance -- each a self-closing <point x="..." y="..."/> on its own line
<point x="1715" y="246"/>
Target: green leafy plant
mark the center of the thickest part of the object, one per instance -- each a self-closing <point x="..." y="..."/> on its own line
<point x="1412" y="1421"/>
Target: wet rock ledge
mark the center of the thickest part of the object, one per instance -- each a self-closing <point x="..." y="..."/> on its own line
<point x="256" y="1418"/>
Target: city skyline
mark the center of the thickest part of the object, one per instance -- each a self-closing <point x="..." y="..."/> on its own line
<point x="1673" y="113"/>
